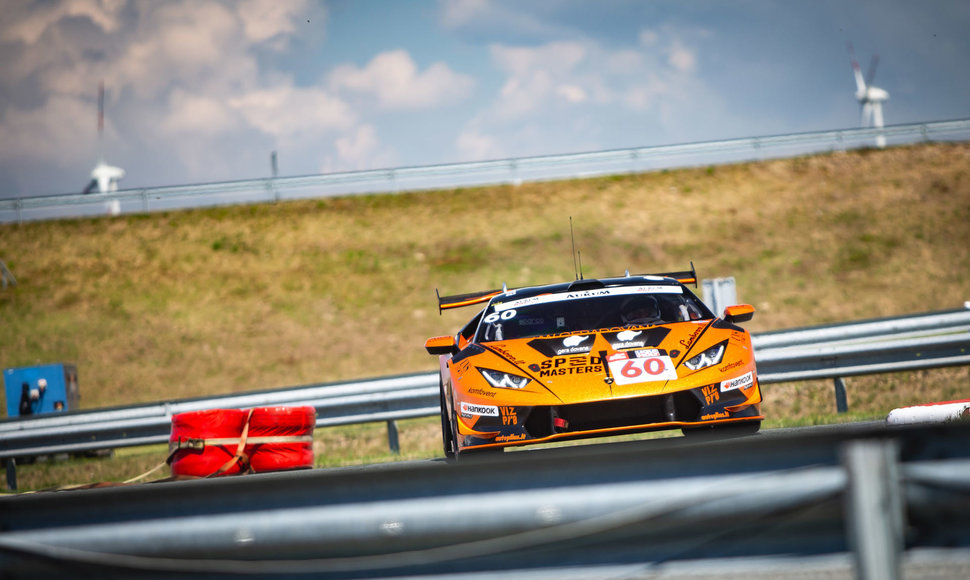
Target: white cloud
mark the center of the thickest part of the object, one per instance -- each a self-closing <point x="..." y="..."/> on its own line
<point x="475" y="146"/>
<point x="393" y="78"/>
<point x="197" y="45"/>
<point x="648" y="37"/>
<point x="357" y="149"/>
<point x="538" y="75"/>
<point x="271" y="20"/>
<point x="287" y="111"/>
<point x="65" y="126"/>
<point x="194" y="116"/>
<point x="557" y="58"/>
<point x="456" y="13"/>
<point x="681" y="58"/>
<point x="184" y="83"/>
<point x="573" y="93"/>
<point x="27" y="22"/>
<point x="561" y="92"/>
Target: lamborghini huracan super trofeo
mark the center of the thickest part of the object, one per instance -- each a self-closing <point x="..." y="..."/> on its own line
<point x="593" y="357"/>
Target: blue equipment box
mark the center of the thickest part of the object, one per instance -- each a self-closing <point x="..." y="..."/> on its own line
<point x="41" y="389"/>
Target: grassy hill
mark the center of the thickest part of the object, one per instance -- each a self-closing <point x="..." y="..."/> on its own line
<point x="214" y="301"/>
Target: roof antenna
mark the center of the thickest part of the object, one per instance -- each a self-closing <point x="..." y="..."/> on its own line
<point x="572" y="237"/>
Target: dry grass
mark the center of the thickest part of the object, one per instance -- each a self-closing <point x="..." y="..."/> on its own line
<point x="214" y="301"/>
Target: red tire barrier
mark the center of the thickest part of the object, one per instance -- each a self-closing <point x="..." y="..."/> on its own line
<point x="277" y="422"/>
<point x="220" y="442"/>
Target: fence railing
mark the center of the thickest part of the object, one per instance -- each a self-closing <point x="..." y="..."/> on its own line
<point x="542" y="168"/>
<point x="930" y="340"/>
<point x="884" y="502"/>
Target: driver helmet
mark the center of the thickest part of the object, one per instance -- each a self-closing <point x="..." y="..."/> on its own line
<point x="640" y="310"/>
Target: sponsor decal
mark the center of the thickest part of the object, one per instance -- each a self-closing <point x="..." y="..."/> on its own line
<point x="574" y="340"/>
<point x="564" y="296"/>
<point x="628" y="339"/>
<point x="730" y="366"/>
<point x="577" y="350"/>
<point x="515" y="437"/>
<point x="559" y="372"/>
<point x="718" y="415"/>
<point x="690" y="339"/>
<point x="633" y="368"/>
<point x="744" y="381"/>
<point x="472" y="410"/>
<point x="482" y="393"/>
<point x="500" y="349"/>
<point x="628" y="335"/>
<point x="711" y="394"/>
<point x="509" y="416"/>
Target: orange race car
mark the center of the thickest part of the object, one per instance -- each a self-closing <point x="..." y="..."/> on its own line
<point x="593" y="357"/>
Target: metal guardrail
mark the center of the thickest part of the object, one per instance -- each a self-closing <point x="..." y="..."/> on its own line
<point x="876" y="497"/>
<point x="385" y="399"/>
<point x="479" y="173"/>
<point x="930" y="340"/>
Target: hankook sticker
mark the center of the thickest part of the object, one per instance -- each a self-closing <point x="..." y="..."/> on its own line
<point x="472" y="409"/>
<point x="742" y="382"/>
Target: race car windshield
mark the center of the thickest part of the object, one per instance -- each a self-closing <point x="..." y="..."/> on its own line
<point x="510" y="317"/>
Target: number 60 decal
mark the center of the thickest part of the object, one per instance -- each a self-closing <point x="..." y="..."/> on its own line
<point x="495" y="316"/>
<point x="642" y="370"/>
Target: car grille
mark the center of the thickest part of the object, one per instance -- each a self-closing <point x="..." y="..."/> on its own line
<point x="683" y="406"/>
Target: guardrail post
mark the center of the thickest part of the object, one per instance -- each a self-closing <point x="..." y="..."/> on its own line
<point x="392" y="439"/>
<point x="874" y="509"/>
<point x="841" y="403"/>
<point x="12" y="474"/>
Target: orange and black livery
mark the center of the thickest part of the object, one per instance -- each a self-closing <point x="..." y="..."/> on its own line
<point x="593" y="357"/>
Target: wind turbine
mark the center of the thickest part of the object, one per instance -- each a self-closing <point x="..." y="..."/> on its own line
<point x="104" y="177"/>
<point x="870" y="98"/>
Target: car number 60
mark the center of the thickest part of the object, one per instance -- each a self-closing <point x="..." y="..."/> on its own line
<point x="495" y="316"/>
<point x="643" y="370"/>
<point x="635" y="367"/>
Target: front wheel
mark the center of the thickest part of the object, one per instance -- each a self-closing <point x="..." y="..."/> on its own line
<point x="447" y="434"/>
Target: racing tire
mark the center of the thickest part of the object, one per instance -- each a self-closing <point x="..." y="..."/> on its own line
<point x="722" y="431"/>
<point x="447" y="432"/>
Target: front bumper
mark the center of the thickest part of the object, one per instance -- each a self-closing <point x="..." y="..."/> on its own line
<point x="701" y="406"/>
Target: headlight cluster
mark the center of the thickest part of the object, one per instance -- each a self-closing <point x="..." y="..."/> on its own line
<point x="711" y="356"/>
<point x="501" y="380"/>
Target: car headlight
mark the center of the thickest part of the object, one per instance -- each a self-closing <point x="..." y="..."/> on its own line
<point x="709" y="357"/>
<point x="501" y="380"/>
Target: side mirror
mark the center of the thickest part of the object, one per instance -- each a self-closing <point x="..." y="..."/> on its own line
<point x="441" y="345"/>
<point x="738" y="313"/>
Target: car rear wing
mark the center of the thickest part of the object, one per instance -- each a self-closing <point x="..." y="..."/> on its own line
<point x="462" y="300"/>
<point x="684" y="277"/>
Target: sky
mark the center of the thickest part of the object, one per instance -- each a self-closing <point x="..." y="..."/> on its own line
<point x="201" y="91"/>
